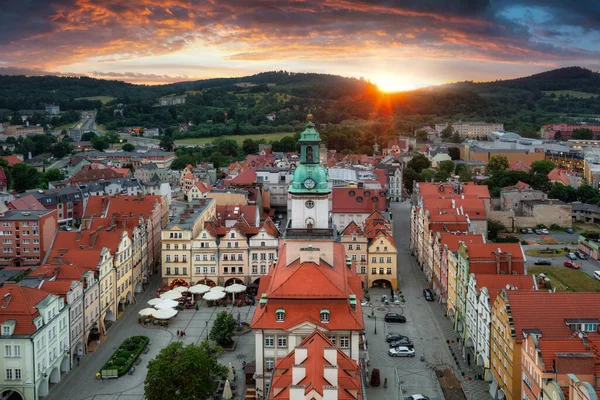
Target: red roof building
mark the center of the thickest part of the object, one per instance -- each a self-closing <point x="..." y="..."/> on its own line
<point x="248" y="177"/>
<point x="3" y="181"/>
<point x="28" y="202"/>
<point x="355" y="204"/>
<point x="19" y="305"/>
<point x="93" y="173"/>
<point x="12" y="160"/>
<point x="495" y="258"/>
<point x="316" y="369"/>
<point x="559" y="176"/>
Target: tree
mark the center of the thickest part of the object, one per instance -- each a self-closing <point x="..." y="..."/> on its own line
<point x="167" y="143"/>
<point x="409" y="176"/>
<point x="464" y="172"/>
<point x="428" y="175"/>
<point x="99" y="143"/>
<point x="456" y="138"/>
<point x="88" y="136"/>
<point x="250" y="146"/>
<point x="6" y="169"/>
<point x="454" y="153"/>
<point x="558" y="135"/>
<point x="446" y="166"/>
<point x="582" y="134"/>
<point x="51" y="175"/>
<point x="421" y="135"/>
<point x="61" y="149"/>
<point x="447" y="131"/>
<point x="222" y="330"/>
<point x="587" y="194"/>
<point x="184" y="373"/>
<point x="419" y="163"/>
<point x="128" y="147"/>
<point x="542" y="167"/>
<point x="497" y="164"/>
<point x="24" y="176"/>
<point x="495" y="228"/>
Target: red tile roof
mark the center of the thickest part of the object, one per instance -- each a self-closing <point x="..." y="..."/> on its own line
<point x="430" y="189"/>
<point x="448" y="223"/>
<point x="557" y="175"/>
<point x="124" y="172"/>
<point x="248" y="177"/>
<point x="233" y="212"/>
<point x="12" y="160"/>
<point x="304" y="289"/>
<point x="550" y="347"/>
<point x="59" y="288"/>
<point x="480" y="191"/>
<point x="352" y="228"/>
<point x="357" y="200"/>
<point x="93" y="175"/>
<point x="494" y="283"/>
<point x="28" y="202"/>
<point x="348" y="374"/>
<point x="381" y="177"/>
<point x="203" y="188"/>
<point x="519" y="186"/>
<point x="548" y="311"/>
<point x="133" y="206"/>
<point x="451" y="240"/>
<point x="474" y="208"/>
<point x="519" y="166"/>
<point x="482" y="258"/>
<point x="20" y="307"/>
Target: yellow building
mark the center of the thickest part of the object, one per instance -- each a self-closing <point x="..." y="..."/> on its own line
<point x="452" y="263"/>
<point x="382" y="264"/>
<point x="356" y="244"/>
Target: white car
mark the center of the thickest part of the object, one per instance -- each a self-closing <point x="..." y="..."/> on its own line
<point x="545" y="231"/>
<point x="417" y="397"/>
<point x="401" y="351"/>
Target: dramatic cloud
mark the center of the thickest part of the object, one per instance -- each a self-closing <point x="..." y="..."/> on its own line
<point x="116" y="37"/>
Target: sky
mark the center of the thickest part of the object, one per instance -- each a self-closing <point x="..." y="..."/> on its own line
<point x="397" y="44"/>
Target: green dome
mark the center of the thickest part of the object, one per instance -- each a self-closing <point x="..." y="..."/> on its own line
<point x="315" y="172"/>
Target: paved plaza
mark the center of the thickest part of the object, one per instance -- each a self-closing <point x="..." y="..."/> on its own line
<point x="80" y="383"/>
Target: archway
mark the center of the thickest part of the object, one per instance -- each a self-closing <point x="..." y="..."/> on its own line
<point x="480" y="360"/>
<point x="207" y="282"/>
<point x="65" y="365"/>
<point x="54" y="377"/>
<point x="470" y="343"/>
<point x="451" y="313"/>
<point x="11" y="394"/>
<point x="43" y="388"/>
<point x="94" y="334"/>
<point x="381" y="283"/>
<point x="17" y="262"/>
<point x="231" y="281"/>
<point x="309" y="223"/>
<point x="501" y="395"/>
<point x="121" y="305"/>
<point x="128" y="298"/>
<point x="109" y="318"/>
<point x="138" y="287"/>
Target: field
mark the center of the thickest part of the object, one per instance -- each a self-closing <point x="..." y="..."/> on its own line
<point x="538" y="253"/>
<point x="238" y="138"/>
<point x="571" y="93"/>
<point x="567" y="280"/>
<point x="103" y="99"/>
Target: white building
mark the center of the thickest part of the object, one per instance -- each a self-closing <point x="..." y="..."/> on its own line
<point x="35" y="341"/>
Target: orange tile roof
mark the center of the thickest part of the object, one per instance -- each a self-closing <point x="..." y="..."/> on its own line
<point x="233" y="212"/>
<point x="550" y="347"/>
<point x="21" y="307"/>
<point x="448" y="222"/>
<point x="548" y="311"/>
<point x="482" y="259"/>
<point x="481" y="191"/>
<point x="134" y="206"/>
<point x="520" y="186"/>
<point x="247" y="177"/>
<point x="202" y="187"/>
<point x="430" y="189"/>
<point x="28" y="202"/>
<point x="93" y="175"/>
<point x="451" y="240"/>
<point x="496" y="282"/>
<point x="12" y="160"/>
<point x="557" y="175"/>
<point x="348" y="375"/>
<point x="59" y="288"/>
<point x="474" y="208"/>
<point x="304" y="289"/>
<point x="84" y="258"/>
<point x="352" y="228"/>
<point x="519" y="166"/>
<point x="122" y="171"/>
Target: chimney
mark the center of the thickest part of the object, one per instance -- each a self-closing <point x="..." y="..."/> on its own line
<point x="509" y="262"/>
<point x="297" y="391"/>
<point x="330" y="373"/>
<point x="300" y="354"/>
<point x="497" y="257"/>
<point x="330" y="355"/>
<point x="330" y="393"/>
<point x="298" y="373"/>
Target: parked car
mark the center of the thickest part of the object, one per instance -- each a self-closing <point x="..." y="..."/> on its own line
<point x="571" y="256"/>
<point x="394" y="317"/>
<point x="538" y="231"/>
<point x="523" y="230"/>
<point x="597" y="275"/>
<point x="543" y="262"/>
<point x="401" y="352"/>
<point x="572" y="265"/>
<point x="569" y="230"/>
<point x="428" y="294"/>
<point x="393" y="336"/>
<point x="406" y="342"/>
<point x="580" y="254"/>
<point x="529" y="230"/>
<point x="545" y="231"/>
<point x="417" y="397"/>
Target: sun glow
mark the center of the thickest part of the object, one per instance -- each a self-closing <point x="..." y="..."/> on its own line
<point x="395" y="83"/>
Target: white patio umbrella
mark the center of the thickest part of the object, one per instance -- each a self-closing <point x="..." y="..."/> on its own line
<point x="171" y="295"/>
<point x="230" y="372"/>
<point x="199" y="289"/>
<point x="227" y="394"/>
<point x="235" y="288"/>
<point x="153" y="302"/>
<point x="165" y="314"/>
<point x="217" y="289"/>
<point x="165" y="303"/>
<point x="214" y="295"/>
<point x="146" y="312"/>
<point x="180" y="289"/>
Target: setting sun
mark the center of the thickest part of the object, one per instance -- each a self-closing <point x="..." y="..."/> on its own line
<point x="394" y="83"/>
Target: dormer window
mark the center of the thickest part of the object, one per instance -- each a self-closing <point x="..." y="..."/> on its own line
<point x="324" y="316"/>
<point x="6" y="331"/>
<point x="232" y="235"/>
<point x="280" y="315"/>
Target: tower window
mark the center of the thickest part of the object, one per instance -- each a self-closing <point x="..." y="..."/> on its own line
<point x="351" y="193"/>
<point x="309" y="204"/>
<point x="359" y="199"/>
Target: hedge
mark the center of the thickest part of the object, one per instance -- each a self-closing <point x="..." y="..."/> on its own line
<point x="123" y="358"/>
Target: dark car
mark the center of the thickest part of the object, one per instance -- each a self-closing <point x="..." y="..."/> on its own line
<point x="394" y="317"/>
<point x="543" y="262"/>
<point x="581" y="255"/>
<point x="569" y="230"/>
<point x="523" y="230"/>
<point x="538" y="231"/>
<point x="428" y="294"/>
<point x="393" y="336"/>
<point x="404" y="342"/>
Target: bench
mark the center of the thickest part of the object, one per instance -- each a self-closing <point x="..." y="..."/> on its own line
<point x="138" y="361"/>
<point x="146" y="349"/>
<point x="109" y="374"/>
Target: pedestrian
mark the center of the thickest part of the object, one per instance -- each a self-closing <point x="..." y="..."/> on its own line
<point x="78" y="359"/>
<point x="469" y="359"/>
<point x="183" y="333"/>
<point x="177" y="332"/>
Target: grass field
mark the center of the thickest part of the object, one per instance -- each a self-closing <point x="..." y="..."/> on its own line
<point x="537" y="253"/>
<point x="238" y="138"/>
<point x="583" y="227"/>
<point x="571" y="93"/>
<point x="567" y="280"/>
<point x="103" y="99"/>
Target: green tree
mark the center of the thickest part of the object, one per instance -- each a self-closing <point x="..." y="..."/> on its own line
<point x="6" y="169"/>
<point x="25" y="177"/>
<point x="128" y="147"/>
<point x="61" y="149"/>
<point x="100" y="143"/>
<point x="428" y="175"/>
<point x="88" y="136"/>
<point x="464" y="172"/>
<point x="446" y="166"/>
<point x="447" y="131"/>
<point x="558" y="135"/>
<point x="496" y="165"/>
<point x="112" y="137"/>
<point x="454" y="153"/>
<point x="250" y="146"/>
<point x="456" y="138"/>
<point x="421" y="135"/>
<point x="542" y="167"/>
<point x="222" y="330"/>
<point x="419" y="163"/>
<point x="582" y="134"/>
<point x="495" y="228"/>
<point x="167" y="143"/>
<point x="183" y="372"/>
<point x="409" y="176"/>
<point x="51" y="175"/>
<point x="587" y="194"/>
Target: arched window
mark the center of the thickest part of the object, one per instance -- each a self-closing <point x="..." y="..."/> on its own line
<point x="280" y="315"/>
<point x="309" y="223"/>
<point x="325" y="315"/>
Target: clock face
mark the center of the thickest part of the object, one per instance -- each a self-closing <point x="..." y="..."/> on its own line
<point x="309" y="183"/>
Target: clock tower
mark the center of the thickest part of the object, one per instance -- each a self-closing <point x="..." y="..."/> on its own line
<point x="309" y="189"/>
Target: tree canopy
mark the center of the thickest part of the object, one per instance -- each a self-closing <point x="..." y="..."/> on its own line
<point x="497" y="164"/>
<point x="222" y="330"/>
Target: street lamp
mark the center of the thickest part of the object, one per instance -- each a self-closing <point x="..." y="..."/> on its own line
<point x="375" y="326"/>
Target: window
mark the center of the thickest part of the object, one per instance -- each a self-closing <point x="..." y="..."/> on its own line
<point x="9" y="374"/>
<point x="18" y="374"/>
<point x="6" y="330"/>
<point x="228" y="244"/>
<point x="354" y="258"/>
<point x="255" y="269"/>
<point x="373" y="259"/>
<point x="363" y="257"/>
<point x="184" y="258"/>
<point x="358" y="247"/>
<point x="240" y="257"/>
<point x="168" y="246"/>
<point x="281" y="341"/>
<point x="225" y="257"/>
<point x="263" y="257"/>
<point x="226" y="270"/>
<point x="240" y="270"/>
<point x="168" y="270"/>
<point x="332" y="339"/>
<point x="381" y="260"/>
<point x="349" y="247"/>
<point x="363" y="269"/>
<point x="7" y="351"/>
<point x="389" y="271"/>
<point x="176" y="258"/>
<point x="280" y="315"/>
<point x="374" y="271"/>
<point x="381" y="271"/>
<point x="213" y="269"/>
<point x="168" y="258"/>
<point x="263" y="244"/>
<point x="205" y="270"/>
<point x="263" y="269"/>
<point x="269" y="364"/>
<point x="344" y="342"/>
<point x="590" y="327"/>
<point x="197" y="257"/>
<point x="184" y="271"/>
<point x="269" y="341"/>
<point x="255" y="256"/>
<point x="325" y="315"/>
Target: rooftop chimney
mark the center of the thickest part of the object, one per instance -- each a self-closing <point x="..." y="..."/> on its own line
<point x="330" y="373"/>
<point x="297" y="391"/>
<point x="298" y="373"/>
<point x="330" y="393"/>
<point x="300" y="354"/>
<point x="330" y="355"/>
